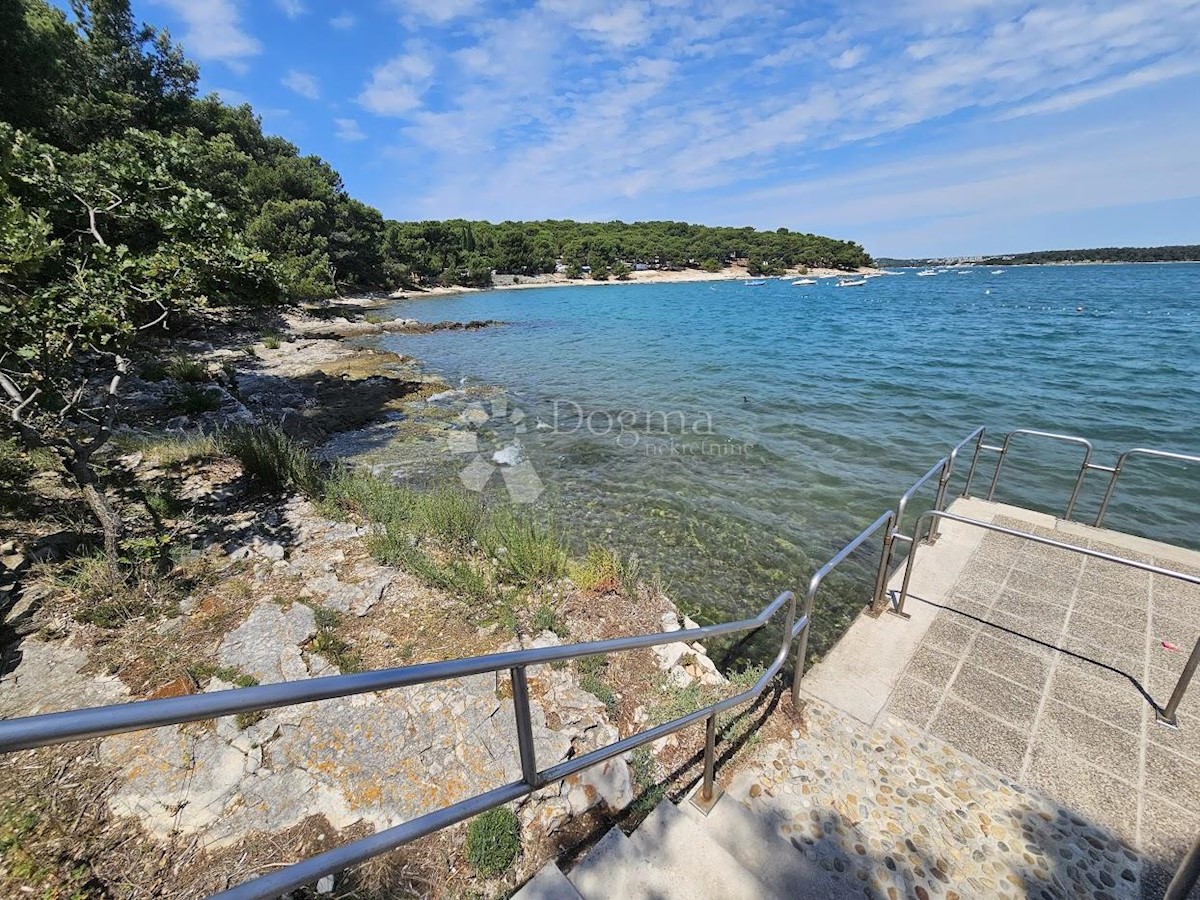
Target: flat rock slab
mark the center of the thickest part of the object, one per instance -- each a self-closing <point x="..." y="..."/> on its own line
<point x="47" y="679"/>
<point x="267" y="644"/>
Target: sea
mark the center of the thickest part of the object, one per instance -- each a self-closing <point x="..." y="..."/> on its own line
<point x="731" y="438"/>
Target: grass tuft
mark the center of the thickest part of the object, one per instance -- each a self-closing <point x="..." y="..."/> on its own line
<point x="493" y="841"/>
<point x="526" y="552"/>
<point x="186" y="369"/>
<point x="273" y="459"/>
<point x="195" y="399"/>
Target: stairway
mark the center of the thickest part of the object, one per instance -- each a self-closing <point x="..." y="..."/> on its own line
<point x="732" y="853"/>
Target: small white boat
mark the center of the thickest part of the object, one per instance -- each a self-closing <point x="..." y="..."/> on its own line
<point x="997" y="271"/>
<point x="804" y="281"/>
<point x="928" y="273"/>
<point x="859" y="283"/>
<point x="873" y="275"/>
<point x="754" y="282"/>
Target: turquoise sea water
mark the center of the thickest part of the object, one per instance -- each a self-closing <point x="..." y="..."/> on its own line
<point x="735" y="436"/>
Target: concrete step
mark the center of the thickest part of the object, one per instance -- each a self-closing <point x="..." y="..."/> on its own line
<point x="754" y="840"/>
<point x="608" y="868"/>
<point x="548" y="884"/>
<point x="668" y="858"/>
<point x="679" y="860"/>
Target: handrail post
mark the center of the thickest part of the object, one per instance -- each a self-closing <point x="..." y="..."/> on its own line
<point x="710" y="792"/>
<point x="974" y="462"/>
<point x="908" y="568"/>
<point x="885" y="562"/>
<point x="520" y="689"/>
<point x="1186" y="875"/>
<point x="1167" y="715"/>
<point x="939" y="502"/>
<point x="710" y="757"/>
<point x="1110" y="490"/>
<point x="999" y="465"/>
<point x="1083" y="469"/>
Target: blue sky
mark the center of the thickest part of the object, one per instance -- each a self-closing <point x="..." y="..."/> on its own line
<point x="926" y="127"/>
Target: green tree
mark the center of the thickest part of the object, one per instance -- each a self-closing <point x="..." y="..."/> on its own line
<point x="98" y="250"/>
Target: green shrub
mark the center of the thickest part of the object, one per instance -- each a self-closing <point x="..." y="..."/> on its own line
<point x="545" y="619"/>
<point x="648" y="789"/>
<point x="525" y="551"/>
<point x="195" y="399"/>
<point x="272" y="341"/>
<point x="330" y="644"/>
<point x="598" y="688"/>
<point x="273" y="459"/>
<point x="449" y="513"/>
<point x="600" y="571"/>
<point x="169" y="451"/>
<point x="396" y="546"/>
<point x="493" y="841"/>
<point x="186" y="369"/>
<point x="369" y="496"/>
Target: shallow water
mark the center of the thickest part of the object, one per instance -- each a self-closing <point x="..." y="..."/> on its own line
<point x="735" y="436"/>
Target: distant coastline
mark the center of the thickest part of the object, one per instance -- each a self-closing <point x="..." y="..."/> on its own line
<point x="648" y="276"/>
<point x="1091" y="256"/>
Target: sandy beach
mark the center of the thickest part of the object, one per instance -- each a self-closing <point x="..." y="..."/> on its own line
<point x="650" y="276"/>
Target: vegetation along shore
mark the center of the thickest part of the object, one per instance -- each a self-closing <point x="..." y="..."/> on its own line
<point x="177" y="514"/>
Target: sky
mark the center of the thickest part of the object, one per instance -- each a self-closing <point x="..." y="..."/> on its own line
<point x="918" y="128"/>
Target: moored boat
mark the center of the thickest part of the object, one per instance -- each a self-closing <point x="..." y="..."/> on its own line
<point x="859" y="283"/>
<point x="804" y="281"/>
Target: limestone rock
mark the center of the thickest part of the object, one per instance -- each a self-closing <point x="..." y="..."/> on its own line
<point x="267" y="644"/>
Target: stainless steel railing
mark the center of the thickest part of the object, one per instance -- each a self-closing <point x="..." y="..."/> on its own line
<point x="1166" y="715"/>
<point x="83" y="724"/>
<point x="1085" y="466"/>
<point x="944" y="471"/>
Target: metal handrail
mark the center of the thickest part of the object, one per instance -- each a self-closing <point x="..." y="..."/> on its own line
<point x="1066" y="438"/>
<point x="76" y="725"/>
<point x="888" y="519"/>
<point x="1166" y="714"/>
<point x="1120" y="467"/>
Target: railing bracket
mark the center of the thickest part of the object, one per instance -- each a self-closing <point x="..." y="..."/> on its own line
<point x="706" y="806"/>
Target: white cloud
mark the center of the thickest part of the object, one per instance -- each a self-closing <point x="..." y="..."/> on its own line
<point x="396" y="87"/>
<point x="1163" y="71"/>
<point x="849" y="58"/>
<point x="301" y="83"/>
<point x="292" y="8"/>
<point x="213" y="31"/>
<point x="344" y="22"/>
<point x="624" y="26"/>
<point x="437" y="11"/>
<point x="348" y="130"/>
<point x="582" y="105"/>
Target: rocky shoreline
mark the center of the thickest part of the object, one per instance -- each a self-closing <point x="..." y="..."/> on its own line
<point x="289" y="592"/>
